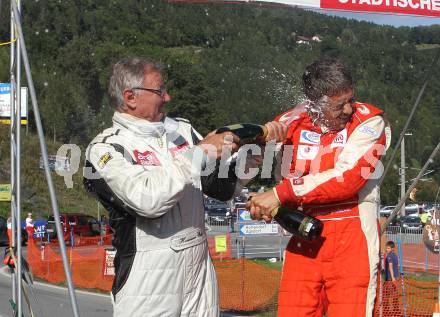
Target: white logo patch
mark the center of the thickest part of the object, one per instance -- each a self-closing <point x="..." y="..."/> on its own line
<point x="307" y="152"/>
<point x="363" y="109"/>
<point x="369" y="130"/>
<point x="340" y="139"/>
<point x="310" y="137"/>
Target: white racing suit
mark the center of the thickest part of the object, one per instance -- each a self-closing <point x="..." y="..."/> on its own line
<point x="144" y="174"/>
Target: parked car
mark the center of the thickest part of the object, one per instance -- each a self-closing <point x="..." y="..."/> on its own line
<point x="4" y="239"/>
<point x="410" y="223"/>
<point x="81" y="224"/>
<point x="386" y="211"/>
<point x="218" y="215"/>
<point x="412" y="209"/>
<point x="240" y="199"/>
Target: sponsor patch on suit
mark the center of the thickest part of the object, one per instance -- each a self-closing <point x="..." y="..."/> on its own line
<point x="176" y="150"/>
<point x="340" y="139"/>
<point x="307" y="152"/>
<point x="369" y="130"/>
<point x="309" y="137"/>
<point x="104" y="159"/>
<point x="146" y="158"/>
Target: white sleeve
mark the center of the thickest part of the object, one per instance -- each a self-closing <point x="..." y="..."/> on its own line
<point x="150" y="193"/>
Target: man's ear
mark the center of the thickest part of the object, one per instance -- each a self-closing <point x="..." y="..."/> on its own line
<point x="129" y="98"/>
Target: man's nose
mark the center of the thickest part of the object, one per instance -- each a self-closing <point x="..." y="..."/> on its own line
<point x="348" y="108"/>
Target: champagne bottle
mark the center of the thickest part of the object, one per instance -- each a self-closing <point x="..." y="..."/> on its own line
<point x="247" y="132"/>
<point x="297" y="223"/>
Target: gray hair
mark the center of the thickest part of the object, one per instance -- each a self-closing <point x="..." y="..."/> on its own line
<point x="126" y="74"/>
<point x="326" y="77"/>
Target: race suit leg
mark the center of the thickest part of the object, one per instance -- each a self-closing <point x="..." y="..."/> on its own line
<point x="346" y="264"/>
<point x="302" y="280"/>
<point x="350" y="282"/>
<point x="170" y="283"/>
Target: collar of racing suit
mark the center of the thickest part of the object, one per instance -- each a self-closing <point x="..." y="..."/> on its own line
<point x="144" y="127"/>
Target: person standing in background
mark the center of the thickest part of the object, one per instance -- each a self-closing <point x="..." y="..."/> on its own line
<point x="30" y="226"/>
<point x="391" y="277"/>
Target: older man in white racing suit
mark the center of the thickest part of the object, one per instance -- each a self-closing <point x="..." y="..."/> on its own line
<point x="146" y="170"/>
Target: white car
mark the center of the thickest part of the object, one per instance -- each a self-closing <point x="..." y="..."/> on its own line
<point x="386" y="211"/>
<point x="412" y="209"/>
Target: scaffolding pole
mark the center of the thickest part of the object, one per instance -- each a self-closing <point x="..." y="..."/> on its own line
<point x="17" y="88"/>
<point x="13" y="152"/>
<point x="16" y="22"/>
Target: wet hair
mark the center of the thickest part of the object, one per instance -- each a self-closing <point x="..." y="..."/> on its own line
<point x="390" y="244"/>
<point x="126" y="74"/>
<point x="326" y="77"/>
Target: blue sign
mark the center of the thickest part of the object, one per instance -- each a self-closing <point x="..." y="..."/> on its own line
<point x="244" y="215"/>
<point x="39" y="227"/>
<point x="5" y="89"/>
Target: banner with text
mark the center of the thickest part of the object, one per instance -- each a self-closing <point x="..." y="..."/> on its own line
<point x="407" y="7"/>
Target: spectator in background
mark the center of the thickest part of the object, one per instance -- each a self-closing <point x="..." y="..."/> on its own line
<point x="391" y="277"/>
<point x="424" y="216"/>
<point x="9" y="226"/>
<point x="30" y="226"/>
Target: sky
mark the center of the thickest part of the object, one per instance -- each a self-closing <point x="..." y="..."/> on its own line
<point x="389" y="19"/>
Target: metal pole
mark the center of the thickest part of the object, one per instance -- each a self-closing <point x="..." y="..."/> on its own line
<point x="413" y="110"/>
<point x="18" y="173"/>
<point x="399" y="247"/>
<point x="402" y="175"/>
<point x="45" y="160"/>
<point x="13" y="150"/>
<point x="413" y="185"/>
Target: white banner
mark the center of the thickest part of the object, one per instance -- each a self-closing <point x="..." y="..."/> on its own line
<point x="259" y="229"/>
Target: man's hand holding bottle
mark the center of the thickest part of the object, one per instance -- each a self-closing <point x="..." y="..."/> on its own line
<point x="261" y="205"/>
<point x="231" y="137"/>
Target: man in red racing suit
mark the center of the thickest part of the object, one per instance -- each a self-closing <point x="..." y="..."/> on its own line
<point x="337" y="144"/>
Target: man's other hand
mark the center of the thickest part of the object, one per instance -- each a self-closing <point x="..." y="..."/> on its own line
<point x="214" y="144"/>
<point x="261" y="205"/>
<point x="276" y="131"/>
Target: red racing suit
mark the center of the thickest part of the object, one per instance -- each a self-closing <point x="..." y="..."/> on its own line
<point x="333" y="176"/>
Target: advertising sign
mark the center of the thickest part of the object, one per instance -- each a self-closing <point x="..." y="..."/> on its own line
<point x="5" y="192"/>
<point x="5" y="104"/>
<point x="258" y="229"/>
<point x="406" y="7"/>
<point x="220" y="244"/>
<point x="109" y="267"/>
<point x="40" y="228"/>
<point x="57" y="163"/>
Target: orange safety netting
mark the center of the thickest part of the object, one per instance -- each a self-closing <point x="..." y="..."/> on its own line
<point x="79" y="241"/>
<point x="406" y="297"/>
<point x="86" y="264"/>
<point x="247" y="286"/>
<point x="240" y="281"/>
